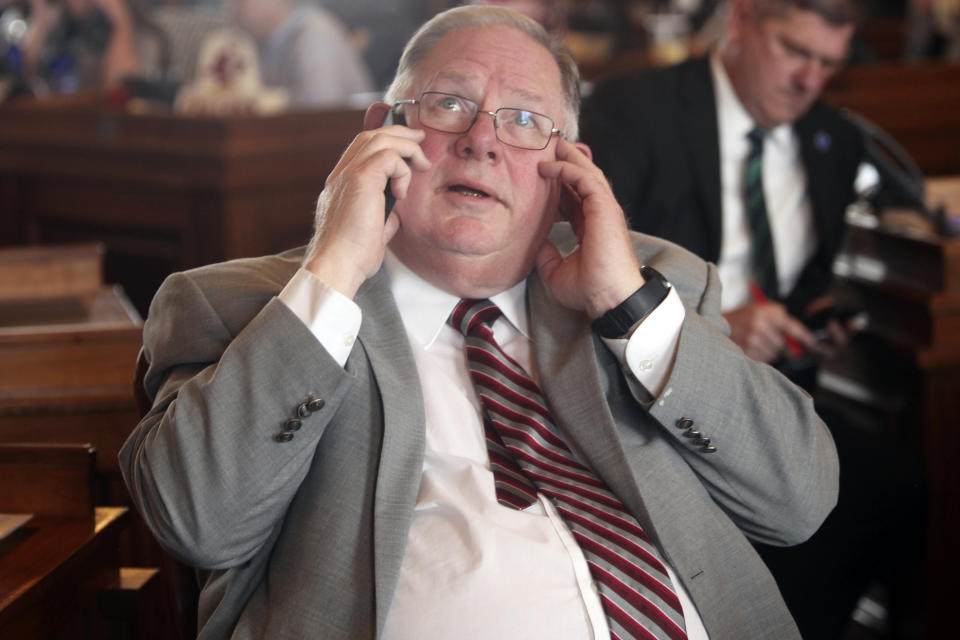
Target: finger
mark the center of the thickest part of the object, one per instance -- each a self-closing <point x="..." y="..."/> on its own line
<point x="838" y="336"/>
<point x="799" y="332"/>
<point x="390" y="228"/>
<point x="401" y="140"/>
<point x="571" y="208"/>
<point x="584" y="181"/>
<point x="548" y="259"/>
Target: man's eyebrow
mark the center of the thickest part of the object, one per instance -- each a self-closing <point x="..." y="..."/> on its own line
<point x="805" y="51"/>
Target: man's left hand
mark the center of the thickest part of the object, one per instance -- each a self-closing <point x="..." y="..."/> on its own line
<point x="603" y="270"/>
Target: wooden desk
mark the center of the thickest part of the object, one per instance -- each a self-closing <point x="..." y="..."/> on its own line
<point x="162" y="192"/>
<point x="67" y="357"/>
<point x="51" y="573"/>
<point x="905" y="369"/>
<point x="56" y="568"/>
<point x="66" y="371"/>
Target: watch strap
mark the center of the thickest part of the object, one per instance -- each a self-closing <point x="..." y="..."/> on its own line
<point x="616" y="322"/>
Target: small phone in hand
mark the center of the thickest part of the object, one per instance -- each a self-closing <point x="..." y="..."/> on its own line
<point x="851" y="317"/>
<point x="394" y="116"/>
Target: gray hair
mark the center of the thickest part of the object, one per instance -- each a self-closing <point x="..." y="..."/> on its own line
<point x="442" y="24"/>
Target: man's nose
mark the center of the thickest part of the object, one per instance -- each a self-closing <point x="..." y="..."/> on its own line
<point x="480" y="140"/>
<point x="810" y="76"/>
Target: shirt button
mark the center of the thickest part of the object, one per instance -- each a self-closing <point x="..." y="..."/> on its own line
<point x="595" y="587"/>
<point x="646" y="365"/>
<point x="348" y="340"/>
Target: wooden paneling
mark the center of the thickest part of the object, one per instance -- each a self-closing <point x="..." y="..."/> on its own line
<point x="47" y="479"/>
<point x="161" y="192"/>
<point x="918" y="103"/>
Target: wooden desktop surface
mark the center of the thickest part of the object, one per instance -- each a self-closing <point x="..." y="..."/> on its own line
<point x="52" y="565"/>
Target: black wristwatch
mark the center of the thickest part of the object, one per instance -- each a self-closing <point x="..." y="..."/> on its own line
<point x="618" y="321"/>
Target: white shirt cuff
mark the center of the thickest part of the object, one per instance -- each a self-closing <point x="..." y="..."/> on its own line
<point x="647" y="355"/>
<point x="331" y="316"/>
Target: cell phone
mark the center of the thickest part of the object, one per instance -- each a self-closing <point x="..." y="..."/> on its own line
<point x="394" y="116"/>
<point x="843" y="314"/>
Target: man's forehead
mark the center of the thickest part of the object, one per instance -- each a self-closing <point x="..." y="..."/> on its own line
<point x="811" y="31"/>
<point x="495" y="57"/>
<point x="452" y="79"/>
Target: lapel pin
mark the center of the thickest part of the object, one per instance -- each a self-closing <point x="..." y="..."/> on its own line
<point x="821" y="141"/>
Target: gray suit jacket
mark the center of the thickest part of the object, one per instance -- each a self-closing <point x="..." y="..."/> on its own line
<point x="305" y="538"/>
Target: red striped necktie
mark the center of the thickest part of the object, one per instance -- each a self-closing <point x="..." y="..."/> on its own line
<point x="527" y="455"/>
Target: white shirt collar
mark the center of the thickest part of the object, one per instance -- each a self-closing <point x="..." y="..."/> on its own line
<point x="425" y="308"/>
<point x="734" y="120"/>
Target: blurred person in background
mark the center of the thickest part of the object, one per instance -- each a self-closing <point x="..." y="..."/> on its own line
<point x="735" y="157"/>
<point x="304" y="50"/>
<point x="80" y="44"/>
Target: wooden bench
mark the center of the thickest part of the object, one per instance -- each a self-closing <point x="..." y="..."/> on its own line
<point x="60" y="573"/>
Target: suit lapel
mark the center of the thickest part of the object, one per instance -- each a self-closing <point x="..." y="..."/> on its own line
<point x="383" y="338"/>
<point x="570" y="380"/>
<point x="819" y="163"/>
<point x="701" y="140"/>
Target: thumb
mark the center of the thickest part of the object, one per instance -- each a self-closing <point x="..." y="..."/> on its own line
<point x="548" y="260"/>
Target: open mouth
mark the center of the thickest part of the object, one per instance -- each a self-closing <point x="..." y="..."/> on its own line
<point x="468" y="191"/>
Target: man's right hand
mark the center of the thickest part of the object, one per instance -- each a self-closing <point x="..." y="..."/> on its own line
<point x="761" y="330"/>
<point x="350" y="236"/>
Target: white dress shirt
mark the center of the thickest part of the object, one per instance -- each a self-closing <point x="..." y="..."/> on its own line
<point x="784" y="188"/>
<point x="471" y="564"/>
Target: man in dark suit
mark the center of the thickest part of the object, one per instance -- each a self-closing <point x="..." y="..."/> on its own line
<point x="678" y="145"/>
<point x="317" y="446"/>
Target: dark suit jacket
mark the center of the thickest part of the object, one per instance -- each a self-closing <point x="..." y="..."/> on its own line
<point x="305" y="538"/>
<point x="654" y="134"/>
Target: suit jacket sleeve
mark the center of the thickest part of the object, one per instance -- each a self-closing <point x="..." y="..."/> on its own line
<point x="775" y="470"/>
<point x="228" y="365"/>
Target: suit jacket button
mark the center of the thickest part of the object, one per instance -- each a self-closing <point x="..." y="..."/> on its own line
<point x="708" y="448"/>
<point x="691" y="433"/>
<point x="684" y="423"/>
<point x="292" y="424"/>
<point x="702" y="441"/>
<point x="284" y="436"/>
<point x="316" y="404"/>
<point x="303" y="410"/>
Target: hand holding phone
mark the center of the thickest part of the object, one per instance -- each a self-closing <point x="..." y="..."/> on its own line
<point x="851" y="319"/>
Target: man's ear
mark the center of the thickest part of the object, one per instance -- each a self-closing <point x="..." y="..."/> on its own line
<point x="740" y="11"/>
<point x="584" y="149"/>
<point x="375" y="115"/>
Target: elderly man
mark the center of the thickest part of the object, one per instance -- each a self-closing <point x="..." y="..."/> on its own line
<point x="467" y="420"/>
<point x="735" y="157"/>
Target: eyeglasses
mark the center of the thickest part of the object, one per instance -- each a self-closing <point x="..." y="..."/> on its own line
<point x="451" y="113"/>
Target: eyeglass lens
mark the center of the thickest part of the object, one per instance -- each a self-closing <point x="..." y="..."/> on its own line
<point x="454" y="114"/>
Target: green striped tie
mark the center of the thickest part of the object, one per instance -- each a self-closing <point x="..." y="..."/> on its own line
<point x="764" y="259"/>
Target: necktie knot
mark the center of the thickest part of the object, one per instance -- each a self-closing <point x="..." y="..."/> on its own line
<point x="756" y="136"/>
<point x="471" y="314"/>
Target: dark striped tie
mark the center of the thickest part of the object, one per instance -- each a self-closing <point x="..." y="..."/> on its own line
<point x="764" y="260"/>
<point x="528" y="454"/>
